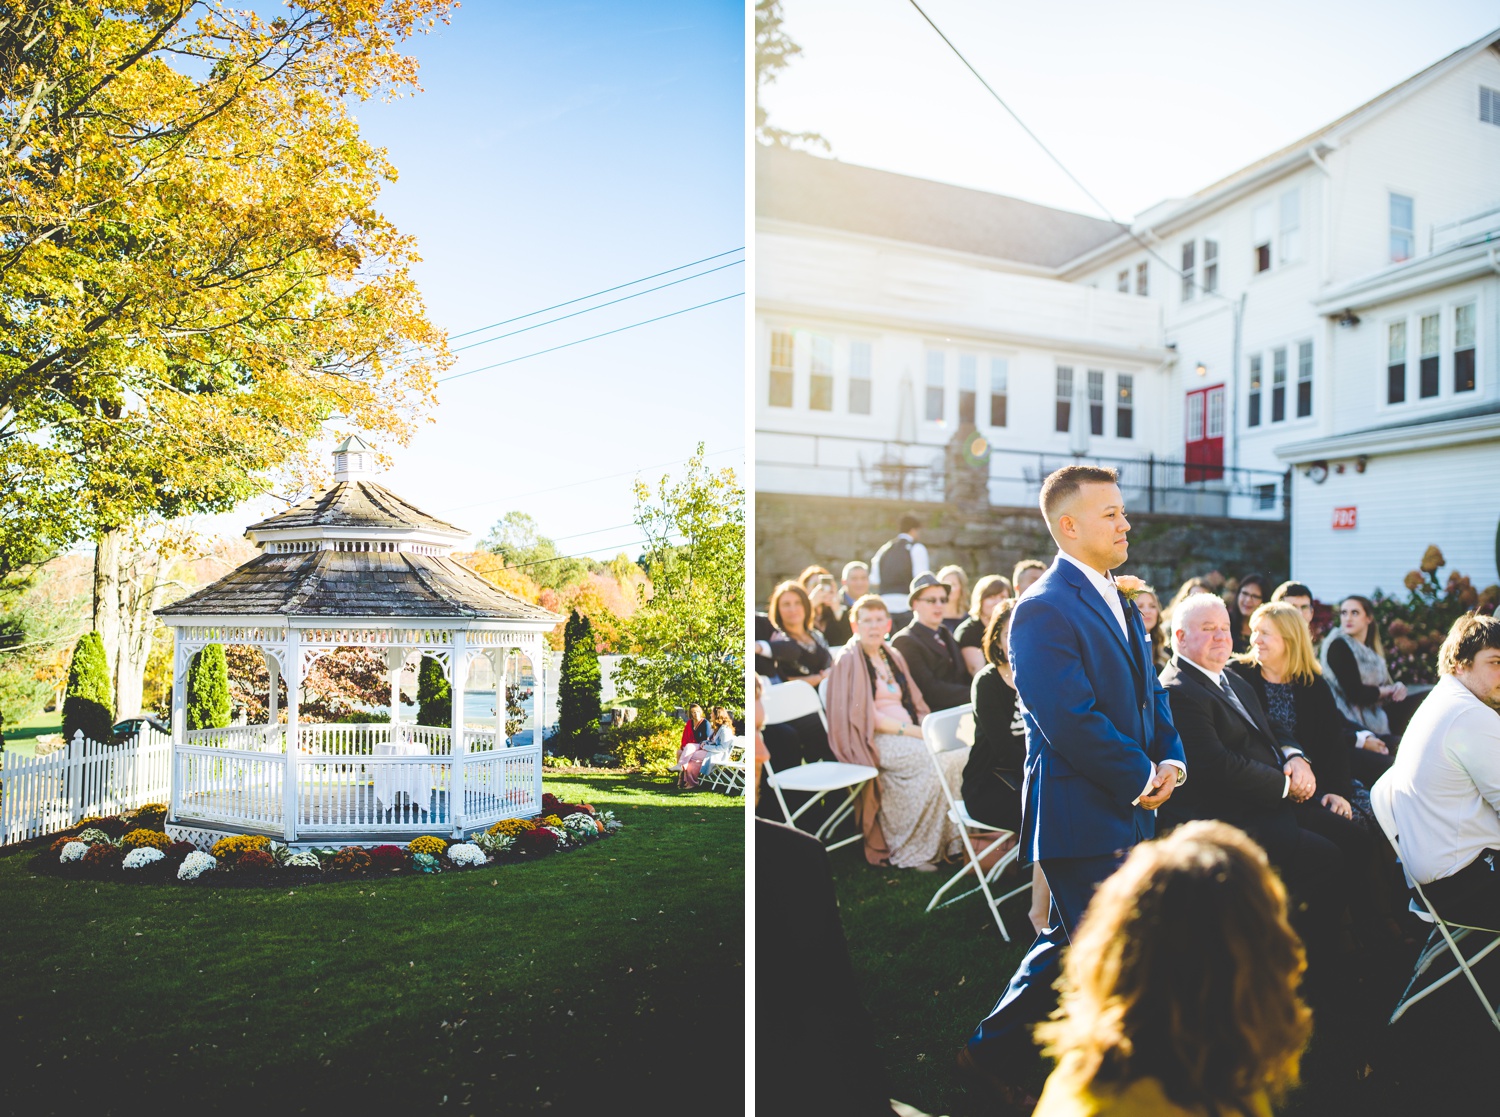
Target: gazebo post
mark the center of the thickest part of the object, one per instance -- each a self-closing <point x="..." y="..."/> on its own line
<point x="395" y="663"/>
<point x="289" y="778"/>
<point x="499" y="660"/>
<point x="458" y="672"/>
<point x="538" y="691"/>
<point x="273" y="700"/>
<point x="179" y="723"/>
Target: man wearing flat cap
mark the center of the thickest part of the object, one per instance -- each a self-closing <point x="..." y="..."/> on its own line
<point x="932" y="655"/>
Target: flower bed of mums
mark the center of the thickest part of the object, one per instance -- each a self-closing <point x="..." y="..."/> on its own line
<point x="134" y="847"/>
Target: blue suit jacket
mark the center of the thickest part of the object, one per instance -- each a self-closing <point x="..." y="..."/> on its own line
<point x="1096" y="718"/>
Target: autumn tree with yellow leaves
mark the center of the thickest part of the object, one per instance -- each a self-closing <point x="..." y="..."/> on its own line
<point x="194" y="279"/>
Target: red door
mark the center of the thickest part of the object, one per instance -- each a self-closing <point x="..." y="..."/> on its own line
<point x="1205" y="434"/>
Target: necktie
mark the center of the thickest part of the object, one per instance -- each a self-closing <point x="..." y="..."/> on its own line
<point x="1234" y="699"/>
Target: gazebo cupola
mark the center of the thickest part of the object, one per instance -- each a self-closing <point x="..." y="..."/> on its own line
<point x="356" y="566"/>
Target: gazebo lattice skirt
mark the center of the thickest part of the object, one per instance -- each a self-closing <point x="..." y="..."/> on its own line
<point x="352" y="781"/>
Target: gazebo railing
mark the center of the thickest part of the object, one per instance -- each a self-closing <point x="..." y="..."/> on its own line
<point x="341" y="739"/>
<point x="234" y="786"/>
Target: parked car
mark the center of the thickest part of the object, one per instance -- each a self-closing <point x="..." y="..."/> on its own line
<point x="131" y="727"/>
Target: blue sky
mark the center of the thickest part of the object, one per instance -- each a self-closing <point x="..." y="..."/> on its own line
<point x="1142" y="101"/>
<point x="558" y="149"/>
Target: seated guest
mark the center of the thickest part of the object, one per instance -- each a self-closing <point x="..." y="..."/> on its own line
<point x="829" y="615"/>
<point x="1241" y="774"/>
<point x="958" y="595"/>
<point x="1025" y="574"/>
<point x="1283" y="671"/>
<point x="811" y="574"/>
<point x="1179" y="994"/>
<point x="989" y="591"/>
<point x="930" y="650"/>
<point x="1354" y="665"/>
<point x="764" y="664"/>
<point x="1251" y="594"/>
<point x="992" y="776"/>
<point x="1298" y="596"/>
<point x="800" y="652"/>
<point x="875" y="711"/>
<point x="1184" y="591"/>
<point x="720" y="742"/>
<point x="1442" y="794"/>
<point x="690" y="752"/>
<point x="1151" y="619"/>
<point x="856" y="583"/>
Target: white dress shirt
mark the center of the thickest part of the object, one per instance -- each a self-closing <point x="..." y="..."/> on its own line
<point x="1111" y="595"/>
<point x="1442" y="793"/>
<point x="1286" y="753"/>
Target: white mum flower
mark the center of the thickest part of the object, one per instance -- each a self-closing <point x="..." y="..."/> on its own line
<point x="92" y="835"/>
<point x="140" y="858"/>
<point x="466" y="853"/>
<point x="74" y="851"/>
<point x="581" y="827"/>
<point x="304" y="860"/>
<point x="195" y="864"/>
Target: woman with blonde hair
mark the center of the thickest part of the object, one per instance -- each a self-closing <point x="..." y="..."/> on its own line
<point x="958" y="595"/>
<point x="1180" y="987"/>
<point x="989" y="591"/>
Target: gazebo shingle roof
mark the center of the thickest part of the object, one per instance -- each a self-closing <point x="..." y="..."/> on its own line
<point x="355" y="504"/>
<point x="355" y="584"/>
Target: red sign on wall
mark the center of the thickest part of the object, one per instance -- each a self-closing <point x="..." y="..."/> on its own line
<point x="1344" y="519"/>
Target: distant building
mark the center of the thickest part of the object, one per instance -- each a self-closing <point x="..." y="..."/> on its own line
<point x="1332" y="309"/>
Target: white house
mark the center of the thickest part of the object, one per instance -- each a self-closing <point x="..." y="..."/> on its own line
<point x="1333" y="308"/>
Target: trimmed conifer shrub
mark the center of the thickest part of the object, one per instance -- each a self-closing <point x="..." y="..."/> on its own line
<point x="208" y="689"/>
<point x="434" y="694"/>
<point x="88" y="704"/>
<point x="578" y="690"/>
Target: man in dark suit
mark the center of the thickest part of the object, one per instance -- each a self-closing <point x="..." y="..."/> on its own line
<point x="1241" y="773"/>
<point x="1101" y="753"/>
<point x="932" y="655"/>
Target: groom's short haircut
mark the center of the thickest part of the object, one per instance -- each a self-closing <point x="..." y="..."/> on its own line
<point x="1189" y="607"/>
<point x="1471" y="634"/>
<point x="1063" y="484"/>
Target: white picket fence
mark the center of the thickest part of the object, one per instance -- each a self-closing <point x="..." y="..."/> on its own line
<point x="46" y="794"/>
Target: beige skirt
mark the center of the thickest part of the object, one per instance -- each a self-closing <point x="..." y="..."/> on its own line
<point x="913" y="812"/>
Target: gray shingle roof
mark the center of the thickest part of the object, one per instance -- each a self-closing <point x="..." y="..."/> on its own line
<point x="356" y="504"/>
<point x="356" y="584"/>
<point x="793" y="186"/>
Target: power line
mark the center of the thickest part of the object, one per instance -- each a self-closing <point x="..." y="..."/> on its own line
<point x="595" y="337"/>
<point x="596" y="294"/>
<point x="600" y="306"/>
<point x="1104" y="209"/>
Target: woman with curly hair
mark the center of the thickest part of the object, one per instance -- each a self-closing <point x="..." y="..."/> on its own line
<point x="1180" y="988"/>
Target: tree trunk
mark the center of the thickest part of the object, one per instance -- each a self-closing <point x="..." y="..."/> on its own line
<point x="107" y="549"/>
<point x="140" y="593"/>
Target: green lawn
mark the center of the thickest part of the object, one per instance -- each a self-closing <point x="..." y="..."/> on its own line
<point x="928" y="979"/>
<point x="20" y="736"/>
<point x="602" y="977"/>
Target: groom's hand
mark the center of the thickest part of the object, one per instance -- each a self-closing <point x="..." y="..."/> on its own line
<point x="1163" y="783"/>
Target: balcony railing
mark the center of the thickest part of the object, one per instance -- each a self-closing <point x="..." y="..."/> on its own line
<point x="838" y="465"/>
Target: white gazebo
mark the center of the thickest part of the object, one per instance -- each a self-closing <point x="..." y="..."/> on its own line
<point x="356" y="566"/>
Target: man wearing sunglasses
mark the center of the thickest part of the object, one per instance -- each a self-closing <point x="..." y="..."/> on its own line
<point x="932" y="655"/>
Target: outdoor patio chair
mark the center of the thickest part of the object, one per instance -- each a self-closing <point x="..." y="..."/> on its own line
<point x="728" y="775"/>
<point x="1443" y="939"/>
<point x="787" y="702"/>
<point x="945" y="731"/>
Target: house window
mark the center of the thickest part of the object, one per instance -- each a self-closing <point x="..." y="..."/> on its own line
<point x="1142" y="287"/>
<point x="859" y="378"/>
<point x="1252" y="413"/>
<point x="1304" y="379"/>
<point x="1188" y="271"/>
<point x="1267" y="494"/>
<point x="1289" y="243"/>
<point x="820" y="383"/>
<point x="999" y="390"/>
<point x="783" y="345"/>
<point x="1403" y="228"/>
<point x="1489" y="105"/>
<point x="1122" y="282"/>
<point x="1278" y="385"/>
<point x="1215" y="425"/>
<point x="1096" y="402"/>
<point x="1395" y="363"/>
<point x="1463" y="348"/>
<point x="1260" y="223"/>
<point x="1427" y="367"/>
<point x="1210" y="265"/>
<point x="1195" y="416"/>
<point x="1064" y="417"/>
<point x="1125" y="406"/>
<point x="968" y="391"/>
<point x="934" y="386"/>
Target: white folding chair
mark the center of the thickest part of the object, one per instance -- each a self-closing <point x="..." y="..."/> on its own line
<point x="1443" y="939"/>
<point x="787" y="702"/>
<point x="945" y="731"/>
<point x="728" y="773"/>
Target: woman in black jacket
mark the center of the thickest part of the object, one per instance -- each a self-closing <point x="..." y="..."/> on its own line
<point x="1284" y="672"/>
<point x="992" y="776"/>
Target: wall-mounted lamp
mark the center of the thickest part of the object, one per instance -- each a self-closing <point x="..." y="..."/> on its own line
<point x="1316" y="472"/>
<point x="1348" y="318"/>
<point x="1201" y="369"/>
<point x="1360" y="463"/>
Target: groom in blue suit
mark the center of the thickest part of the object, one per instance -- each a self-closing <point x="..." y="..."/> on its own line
<point x="1101" y="752"/>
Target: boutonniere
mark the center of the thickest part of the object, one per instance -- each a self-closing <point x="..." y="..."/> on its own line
<point x="1130" y="586"/>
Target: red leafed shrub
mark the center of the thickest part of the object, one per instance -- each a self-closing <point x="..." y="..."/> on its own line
<point x="389" y="857"/>
<point x="254" y="860"/>
<point x="177" y="852"/>
<point x="102" y="858"/>
<point x="550" y="803"/>
<point x="57" y="846"/>
<point x="537" y="840"/>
